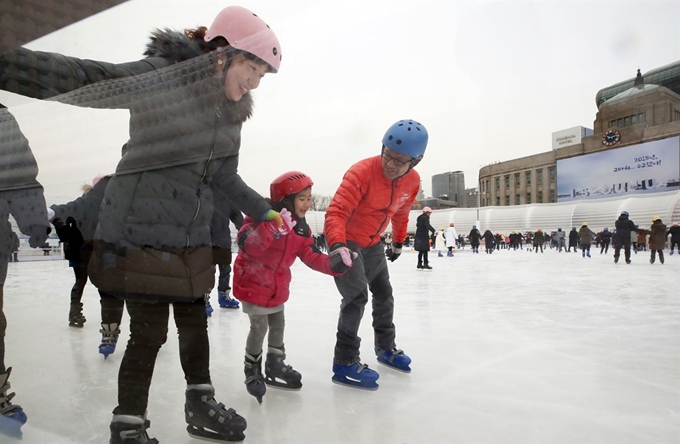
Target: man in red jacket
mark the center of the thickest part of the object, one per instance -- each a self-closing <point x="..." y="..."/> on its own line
<point x="373" y="192"/>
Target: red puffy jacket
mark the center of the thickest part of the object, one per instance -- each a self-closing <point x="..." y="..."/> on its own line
<point x="365" y="202"/>
<point x="262" y="267"/>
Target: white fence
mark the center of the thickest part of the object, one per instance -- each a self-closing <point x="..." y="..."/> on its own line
<point x="599" y="213"/>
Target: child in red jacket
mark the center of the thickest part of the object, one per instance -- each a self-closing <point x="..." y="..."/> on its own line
<point x="262" y="279"/>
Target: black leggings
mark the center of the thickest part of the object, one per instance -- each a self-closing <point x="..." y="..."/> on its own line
<point x="148" y="332"/>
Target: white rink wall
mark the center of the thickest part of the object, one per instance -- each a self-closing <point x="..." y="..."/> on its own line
<point x="599" y="213"/>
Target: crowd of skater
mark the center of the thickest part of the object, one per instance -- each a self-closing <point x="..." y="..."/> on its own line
<point x="626" y="236"/>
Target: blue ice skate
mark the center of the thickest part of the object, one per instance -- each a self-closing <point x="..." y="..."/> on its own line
<point x="225" y="300"/>
<point x="439" y="254"/>
<point x="449" y="254"/>
<point x="12" y="416"/>
<point x="395" y="359"/>
<point x="110" y="333"/>
<point x="356" y="375"/>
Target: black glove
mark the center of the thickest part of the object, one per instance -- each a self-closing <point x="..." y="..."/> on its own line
<point x="395" y="252"/>
<point x="38" y="235"/>
<point x="337" y="263"/>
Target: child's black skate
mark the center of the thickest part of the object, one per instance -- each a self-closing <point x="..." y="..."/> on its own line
<point x="278" y="374"/>
<point x="129" y="429"/>
<point x="110" y="334"/>
<point x="210" y="420"/>
<point x="254" y="379"/>
<point x="12" y="416"/>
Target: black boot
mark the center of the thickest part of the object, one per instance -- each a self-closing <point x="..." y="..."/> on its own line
<point x="75" y="315"/>
<point x="254" y="379"/>
<point x="208" y="419"/>
<point x="278" y="374"/>
<point x="129" y="429"/>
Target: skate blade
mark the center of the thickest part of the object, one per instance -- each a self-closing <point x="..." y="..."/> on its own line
<point x="280" y="386"/>
<point x="394" y="368"/>
<point x="210" y="436"/>
<point x="11" y="427"/>
<point x="343" y="381"/>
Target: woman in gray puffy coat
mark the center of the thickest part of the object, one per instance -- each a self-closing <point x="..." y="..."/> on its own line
<point x="188" y="100"/>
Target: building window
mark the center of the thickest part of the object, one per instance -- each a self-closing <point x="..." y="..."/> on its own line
<point x="507" y="200"/>
<point x="528" y="178"/>
<point x="626" y="121"/>
<point x="551" y="173"/>
<point x="21" y="58"/>
<point x="633" y="119"/>
<point x="507" y="181"/>
<point x="539" y="176"/>
<point x="641" y="117"/>
<point x="23" y="73"/>
<point x="517" y="180"/>
<point x="552" y="195"/>
<point x="42" y="64"/>
<point x="498" y="183"/>
<point x="612" y="123"/>
<point x="498" y="201"/>
<point x="619" y="122"/>
<point x="540" y="197"/>
<point x="517" y="199"/>
<point x="487" y="185"/>
<point x="528" y="198"/>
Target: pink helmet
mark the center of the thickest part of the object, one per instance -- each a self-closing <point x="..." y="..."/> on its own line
<point x="427" y="210"/>
<point x="247" y="32"/>
<point x="97" y="178"/>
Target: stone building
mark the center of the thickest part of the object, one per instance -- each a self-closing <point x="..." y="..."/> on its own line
<point x="638" y="110"/>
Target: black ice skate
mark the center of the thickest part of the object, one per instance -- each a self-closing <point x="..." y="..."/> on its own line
<point x="210" y="420"/>
<point x="75" y="315"/>
<point x="252" y="367"/>
<point x="130" y="429"/>
<point x="278" y="374"/>
<point x="12" y="416"/>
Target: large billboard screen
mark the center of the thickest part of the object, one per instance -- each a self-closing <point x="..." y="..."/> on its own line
<point x="649" y="167"/>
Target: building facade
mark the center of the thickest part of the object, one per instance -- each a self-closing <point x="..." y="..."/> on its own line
<point x="450" y="186"/>
<point x="641" y="113"/>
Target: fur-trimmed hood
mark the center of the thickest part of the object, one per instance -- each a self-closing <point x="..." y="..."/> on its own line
<point x="171" y="45"/>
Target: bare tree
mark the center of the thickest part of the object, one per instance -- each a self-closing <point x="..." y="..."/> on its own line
<point x="320" y="202"/>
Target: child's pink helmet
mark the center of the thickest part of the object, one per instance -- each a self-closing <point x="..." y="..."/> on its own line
<point x="247" y="32"/>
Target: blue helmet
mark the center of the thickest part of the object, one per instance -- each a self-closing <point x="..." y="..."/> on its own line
<point x="624" y="213"/>
<point x="573" y="228"/>
<point x="406" y="137"/>
<point x="606" y="229"/>
<point x="474" y="226"/>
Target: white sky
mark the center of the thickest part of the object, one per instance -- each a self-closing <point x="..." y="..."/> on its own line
<point x="490" y="80"/>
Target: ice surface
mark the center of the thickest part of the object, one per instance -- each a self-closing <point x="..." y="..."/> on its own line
<point x="513" y="347"/>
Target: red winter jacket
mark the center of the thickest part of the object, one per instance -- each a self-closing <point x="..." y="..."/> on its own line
<point x="366" y="201"/>
<point x="262" y="267"/>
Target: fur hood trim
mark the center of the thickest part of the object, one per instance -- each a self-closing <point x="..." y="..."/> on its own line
<point x="171" y="45"/>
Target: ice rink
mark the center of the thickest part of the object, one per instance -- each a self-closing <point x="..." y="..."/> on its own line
<point x="507" y="348"/>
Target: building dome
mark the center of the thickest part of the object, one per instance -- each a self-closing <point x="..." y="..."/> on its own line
<point x="629" y="94"/>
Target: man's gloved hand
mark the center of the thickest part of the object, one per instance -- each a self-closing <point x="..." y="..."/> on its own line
<point x="395" y="252"/>
<point x="341" y="257"/>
